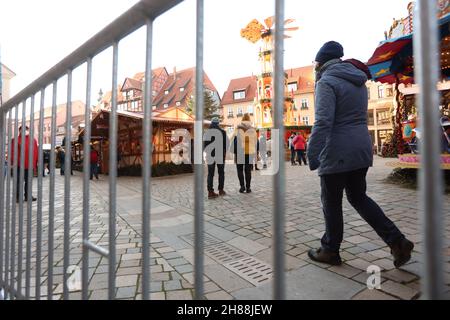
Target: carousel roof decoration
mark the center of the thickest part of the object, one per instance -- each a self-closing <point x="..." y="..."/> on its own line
<point x="393" y="59"/>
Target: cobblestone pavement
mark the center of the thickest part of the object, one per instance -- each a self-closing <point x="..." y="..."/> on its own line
<point x="238" y="239"/>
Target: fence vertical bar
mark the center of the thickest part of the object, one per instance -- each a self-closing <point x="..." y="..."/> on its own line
<point x="13" y="200"/>
<point x="86" y="175"/>
<point x="29" y="199"/>
<point x="279" y="178"/>
<point x="112" y="171"/>
<point x="198" y="159"/>
<point x="39" y="198"/>
<point x="8" y="205"/>
<point x="2" y="191"/>
<point x="67" y="173"/>
<point x="20" y="194"/>
<point x="51" y="202"/>
<point x="427" y="57"/>
<point x="146" y="196"/>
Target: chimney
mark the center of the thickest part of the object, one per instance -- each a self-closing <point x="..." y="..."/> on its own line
<point x="174" y="73"/>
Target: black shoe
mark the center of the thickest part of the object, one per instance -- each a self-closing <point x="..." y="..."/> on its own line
<point x="325" y="256"/>
<point x="249" y="190"/>
<point x="401" y="250"/>
<point x="242" y="190"/>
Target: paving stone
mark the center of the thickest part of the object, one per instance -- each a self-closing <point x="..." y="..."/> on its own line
<point x="158" y="296"/>
<point x="126" y="292"/>
<point x="399" y="290"/>
<point x="357" y="239"/>
<point x="226" y="279"/>
<point x="179" y="295"/>
<point x="172" y="285"/>
<point x="219" y="295"/>
<point x="249" y="246"/>
<point x="308" y="282"/>
<point x="400" y="276"/>
<point x="345" y="270"/>
<point x="373" y="294"/>
<point x="160" y="276"/>
<point x="184" y="268"/>
<point x="126" y="281"/>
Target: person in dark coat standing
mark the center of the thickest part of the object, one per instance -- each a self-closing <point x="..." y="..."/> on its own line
<point x="212" y="158"/>
<point x="340" y="148"/>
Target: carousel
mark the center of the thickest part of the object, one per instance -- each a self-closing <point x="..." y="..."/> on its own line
<point x="393" y="63"/>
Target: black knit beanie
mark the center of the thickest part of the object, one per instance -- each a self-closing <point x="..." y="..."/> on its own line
<point x="330" y="50"/>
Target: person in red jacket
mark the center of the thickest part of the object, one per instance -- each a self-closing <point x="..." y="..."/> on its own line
<point x="299" y="143"/>
<point x="94" y="162"/>
<point x="28" y="167"/>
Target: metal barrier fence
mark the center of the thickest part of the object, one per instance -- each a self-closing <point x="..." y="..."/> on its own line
<point x="144" y="13"/>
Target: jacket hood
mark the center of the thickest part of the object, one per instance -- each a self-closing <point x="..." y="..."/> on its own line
<point x="348" y="72"/>
<point x="245" y="125"/>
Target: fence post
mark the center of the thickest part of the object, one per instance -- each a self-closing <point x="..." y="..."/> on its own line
<point x="427" y="70"/>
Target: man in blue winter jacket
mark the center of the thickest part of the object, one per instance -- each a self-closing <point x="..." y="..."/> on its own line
<point x="340" y="148"/>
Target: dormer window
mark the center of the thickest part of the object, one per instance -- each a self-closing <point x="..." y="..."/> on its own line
<point x="239" y="95"/>
<point x="181" y="89"/>
<point x="153" y="107"/>
<point x="178" y="103"/>
<point x="166" y="92"/>
<point x="166" y="105"/>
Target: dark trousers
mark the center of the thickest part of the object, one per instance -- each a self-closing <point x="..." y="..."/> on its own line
<point x="246" y="168"/>
<point x="211" y="171"/>
<point x="94" y="171"/>
<point x="301" y="156"/>
<point x="292" y="156"/>
<point x="354" y="183"/>
<point x="25" y="182"/>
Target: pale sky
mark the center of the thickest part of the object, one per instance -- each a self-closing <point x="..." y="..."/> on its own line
<point x="37" y="34"/>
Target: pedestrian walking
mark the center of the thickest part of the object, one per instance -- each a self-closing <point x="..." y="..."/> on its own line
<point x="340" y="148"/>
<point x="291" y="148"/>
<point x="244" y="148"/>
<point x="299" y="143"/>
<point x="214" y="158"/>
<point x="28" y="168"/>
<point x="93" y="163"/>
<point x="60" y="156"/>
<point x="263" y="148"/>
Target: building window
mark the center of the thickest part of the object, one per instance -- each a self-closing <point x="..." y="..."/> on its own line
<point x="181" y="89"/>
<point x="178" y="103"/>
<point x="370" y="118"/>
<point x="292" y="86"/>
<point x="239" y="95"/>
<point x="389" y="92"/>
<point x="305" y="121"/>
<point x="380" y="92"/>
<point x="240" y="112"/>
<point x="230" y="112"/>
<point x="304" y="104"/>
<point x="250" y="109"/>
<point x="166" y="92"/>
<point x="166" y="105"/>
<point x="230" y="130"/>
<point x="368" y="93"/>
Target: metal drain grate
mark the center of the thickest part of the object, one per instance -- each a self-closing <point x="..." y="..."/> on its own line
<point x="224" y="252"/>
<point x="251" y="269"/>
<point x="208" y="240"/>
